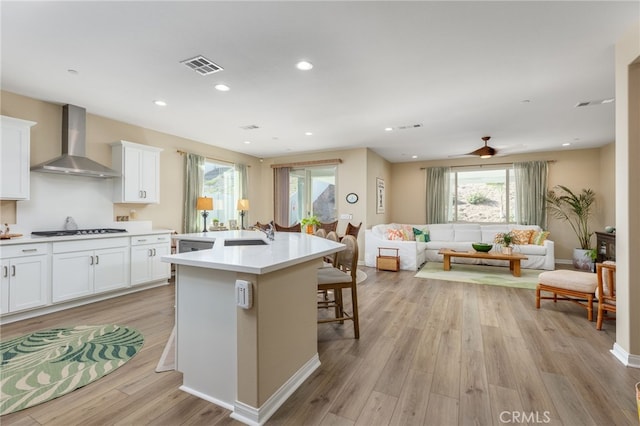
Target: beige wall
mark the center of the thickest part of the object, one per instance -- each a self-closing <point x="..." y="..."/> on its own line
<point x="378" y="167"/>
<point x="576" y="169"/>
<point x="627" y="191"/>
<point x="404" y="182"/>
<point x="46" y="144"/>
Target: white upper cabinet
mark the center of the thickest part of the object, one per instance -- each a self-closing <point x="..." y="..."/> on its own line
<point x="14" y="158"/>
<point x="140" y="168"/>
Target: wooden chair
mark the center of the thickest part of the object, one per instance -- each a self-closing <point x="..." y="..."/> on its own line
<point x="332" y="257"/>
<point x="320" y="233"/>
<point x="338" y="278"/>
<point x="606" y="291"/>
<point x="293" y="228"/>
<point x="263" y="226"/>
<point x="353" y="230"/>
<point x="329" y="226"/>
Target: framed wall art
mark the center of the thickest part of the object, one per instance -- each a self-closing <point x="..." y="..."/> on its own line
<point x="380" y="196"/>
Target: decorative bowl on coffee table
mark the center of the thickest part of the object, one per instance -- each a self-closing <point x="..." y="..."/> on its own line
<point x="483" y="247"/>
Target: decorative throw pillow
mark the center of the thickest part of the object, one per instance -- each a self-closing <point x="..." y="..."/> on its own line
<point x="420" y="235"/>
<point x="394" y="234"/>
<point x="521" y="236"/>
<point x="407" y="233"/>
<point x="538" y="237"/>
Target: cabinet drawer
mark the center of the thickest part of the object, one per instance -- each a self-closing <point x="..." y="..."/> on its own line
<point x="24" y="250"/>
<point x="97" y="244"/>
<point x="150" y="239"/>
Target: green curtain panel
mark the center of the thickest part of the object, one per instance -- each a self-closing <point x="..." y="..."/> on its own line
<point x="438" y="202"/>
<point x="531" y="190"/>
<point x="193" y="187"/>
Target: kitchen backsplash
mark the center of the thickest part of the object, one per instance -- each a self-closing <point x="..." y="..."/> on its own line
<point x="54" y="197"/>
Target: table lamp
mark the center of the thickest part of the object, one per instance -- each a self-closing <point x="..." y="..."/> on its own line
<point x="204" y="204"/>
<point x="243" y="206"/>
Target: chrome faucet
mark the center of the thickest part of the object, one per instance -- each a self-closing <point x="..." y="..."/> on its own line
<point x="269" y="232"/>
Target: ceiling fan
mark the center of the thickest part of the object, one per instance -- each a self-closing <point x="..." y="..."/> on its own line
<point x="486" y="151"/>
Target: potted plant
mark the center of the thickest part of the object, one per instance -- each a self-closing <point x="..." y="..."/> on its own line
<point x="310" y="223"/>
<point x="505" y="239"/>
<point x="575" y="208"/>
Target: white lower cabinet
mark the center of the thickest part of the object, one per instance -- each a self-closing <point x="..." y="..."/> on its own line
<point x="35" y="276"/>
<point x="83" y="268"/>
<point x="24" y="281"/>
<point x="146" y="251"/>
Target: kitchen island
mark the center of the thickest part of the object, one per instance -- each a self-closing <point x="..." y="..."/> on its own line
<point x="248" y="359"/>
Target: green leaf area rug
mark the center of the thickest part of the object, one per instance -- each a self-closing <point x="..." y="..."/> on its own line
<point x="47" y="364"/>
<point x="480" y="274"/>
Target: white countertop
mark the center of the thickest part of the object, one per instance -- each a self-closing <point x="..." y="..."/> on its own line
<point x="28" y="239"/>
<point x="287" y="249"/>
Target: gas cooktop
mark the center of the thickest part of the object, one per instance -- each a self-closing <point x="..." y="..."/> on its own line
<point x="61" y="233"/>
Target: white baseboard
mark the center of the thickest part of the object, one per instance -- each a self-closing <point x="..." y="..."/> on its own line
<point x="258" y="416"/>
<point x="629" y="360"/>
<point x="206" y="397"/>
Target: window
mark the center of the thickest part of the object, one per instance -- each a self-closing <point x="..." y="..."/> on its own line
<point x="221" y="183"/>
<point x="312" y="191"/>
<point x="483" y="195"/>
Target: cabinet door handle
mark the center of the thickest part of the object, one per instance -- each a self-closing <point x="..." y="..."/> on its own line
<point x="6" y="271"/>
<point x="29" y="250"/>
<point x="150" y="252"/>
<point x="13" y="270"/>
<point x="142" y="241"/>
<point x="97" y="259"/>
<point x="91" y="257"/>
<point x="145" y="194"/>
<point x="140" y="194"/>
<point x="154" y="252"/>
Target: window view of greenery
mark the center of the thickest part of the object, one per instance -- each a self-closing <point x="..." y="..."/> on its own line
<point x="483" y="196"/>
<point x="221" y="184"/>
<point x="312" y="191"/>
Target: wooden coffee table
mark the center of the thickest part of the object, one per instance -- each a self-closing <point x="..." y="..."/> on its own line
<point x="514" y="259"/>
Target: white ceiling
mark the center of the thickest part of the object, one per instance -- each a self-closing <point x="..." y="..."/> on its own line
<point x="462" y="70"/>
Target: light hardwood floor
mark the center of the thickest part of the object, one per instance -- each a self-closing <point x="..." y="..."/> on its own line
<point x="430" y="352"/>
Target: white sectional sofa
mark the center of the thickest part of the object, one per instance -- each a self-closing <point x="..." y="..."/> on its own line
<point x="456" y="236"/>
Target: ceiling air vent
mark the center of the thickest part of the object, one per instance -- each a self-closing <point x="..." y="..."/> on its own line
<point x="250" y="127"/>
<point x="410" y="126"/>
<point x="594" y="103"/>
<point x="202" y="65"/>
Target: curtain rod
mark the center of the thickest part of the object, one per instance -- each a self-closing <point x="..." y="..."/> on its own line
<point x="308" y="163"/>
<point x="181" y="152"/>
<point x="487" y="165"/>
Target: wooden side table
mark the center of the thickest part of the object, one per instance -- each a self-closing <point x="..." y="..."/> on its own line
<point x="606" y="246"/>
<point x="389" y="261"/>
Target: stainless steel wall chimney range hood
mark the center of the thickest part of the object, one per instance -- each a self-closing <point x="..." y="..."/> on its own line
<point x="73" y="160"/>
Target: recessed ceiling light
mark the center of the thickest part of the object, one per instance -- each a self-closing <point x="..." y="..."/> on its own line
<point x="414" y="156"/>
<point x="222" y="87"/>
<point x="388" y="129"/>
<point x="308" y="133"/>
<point x="566" y="144"/>
<point x="608" y="101"/>
<point x="160" y="103"/>
<point x="247" y="142"/>
<point x="304" y="65"/>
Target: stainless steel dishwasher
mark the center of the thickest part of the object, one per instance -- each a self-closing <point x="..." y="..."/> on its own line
<point x="185" y="246"/>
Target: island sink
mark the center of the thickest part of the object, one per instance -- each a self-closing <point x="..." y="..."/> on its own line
<point x="229" y="243"/>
